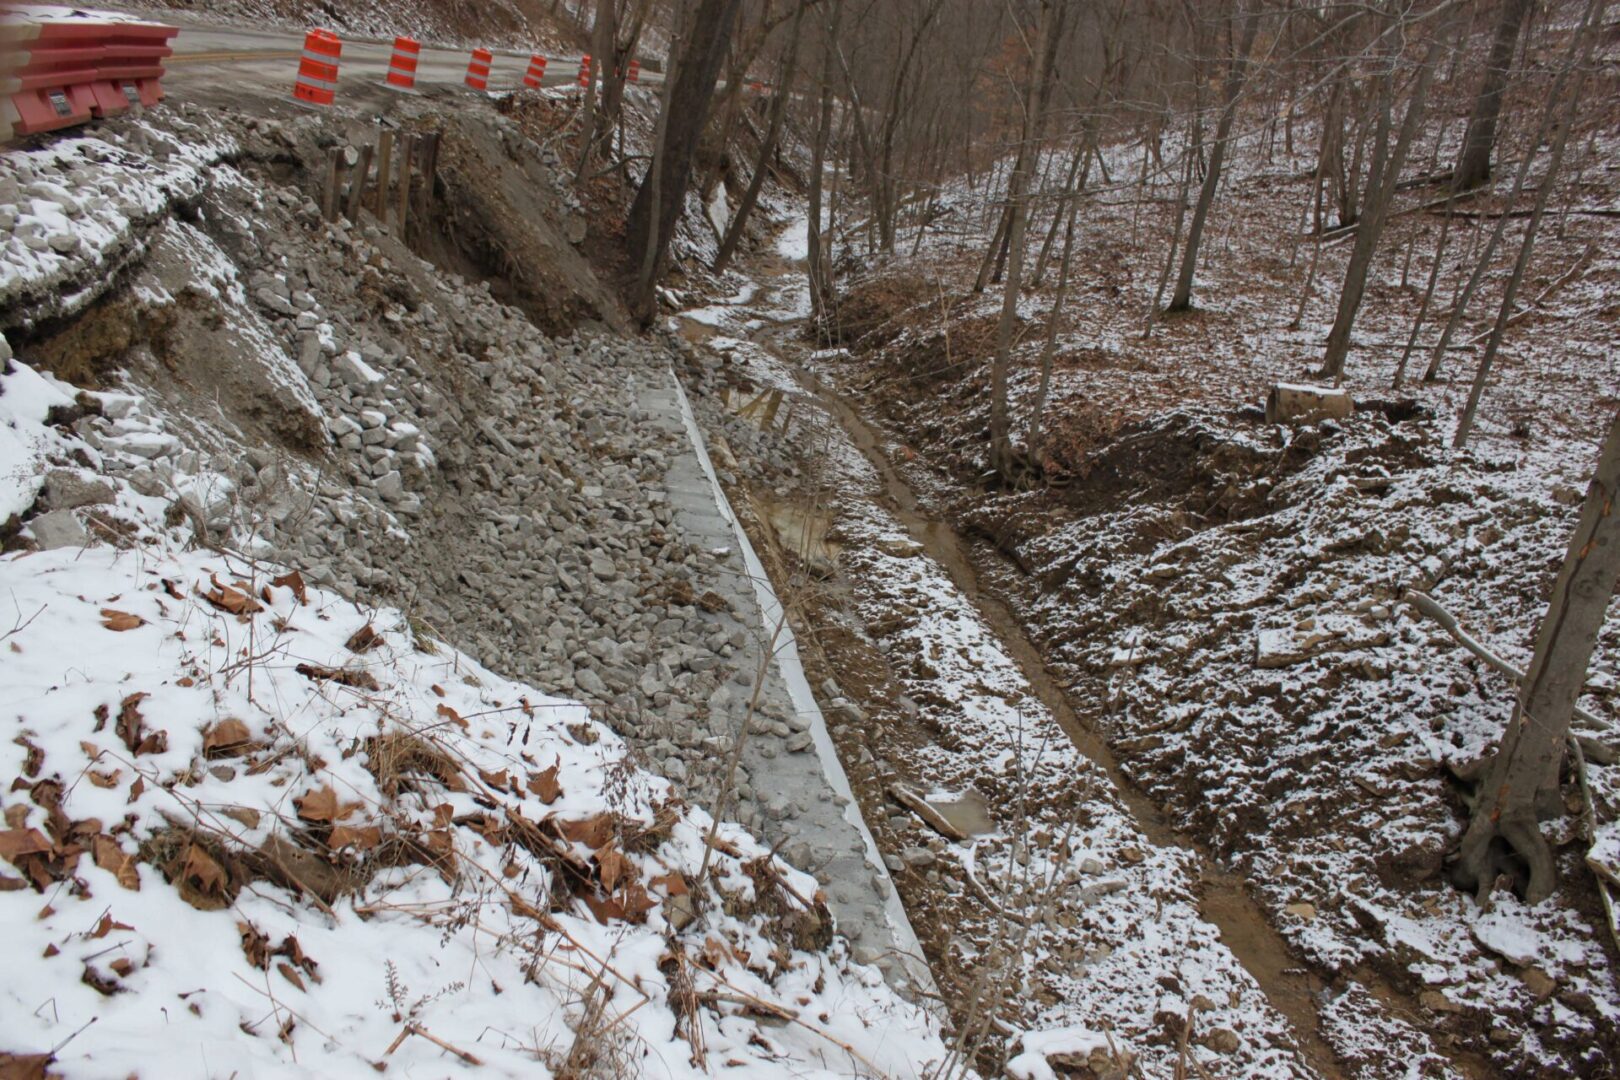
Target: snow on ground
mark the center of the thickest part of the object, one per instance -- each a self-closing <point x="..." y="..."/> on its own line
<point x="79" y="207"/>
<point x="1224" y="597"/>
<point x="258" y="828"/>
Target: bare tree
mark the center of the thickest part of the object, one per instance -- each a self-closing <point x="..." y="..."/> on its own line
<point x="767" y="145"/>
<point x="1243" y="43"/>
<point x="1521" y="782"/>
<point x="662" y="193"/>
<point x="1381" y="185"/>
<point x="1001" y="454"/>
<point x="1474" y="164"/>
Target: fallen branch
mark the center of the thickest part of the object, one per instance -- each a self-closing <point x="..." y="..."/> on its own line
<point x="417" y="1029"/>
<point x="920" y="806"/>
<point x="1448" y="622"/>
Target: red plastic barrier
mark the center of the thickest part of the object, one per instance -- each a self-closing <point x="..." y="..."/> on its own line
<point x="478" y="69"/>
<point x="537" y="72"/>
<point x="585" y="70"/>
<point x="56" y="69"/>
<point x="63" y="69"/>
<point x="402" y="67"/>
<point x="318" y="68"/>
<point x="131" y="66"/>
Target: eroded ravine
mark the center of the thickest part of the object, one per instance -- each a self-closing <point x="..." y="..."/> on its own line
<point x="1223" y="900"/>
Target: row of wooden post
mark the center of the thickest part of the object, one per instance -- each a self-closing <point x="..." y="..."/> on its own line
<point x="349" y="177"/>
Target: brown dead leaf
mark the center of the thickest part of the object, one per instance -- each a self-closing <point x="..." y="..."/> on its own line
<point x="137" y="789"/>
<point x="255" y="946"/>
<point x="26" y="1066"/>
<point x="612" y="866"/>
<point x="15" y="843"/>
<point x="35" y="761"/>
<point x="295" y="582"/>
<point x="290" y="975"/>
<point x="112" y="858"/>
<point x="673" y="883"/>
<point x="227" y="738"/>
<point x="203" y="874"/>
<point x="544" y="784"/>
<point x="635" y="902"/>
<point x="359" y="837"/>
<point x="131" y="724"/>
<point x="107" y="925"/>
<point x="363" y="639"/>
<point x="360" y="680"/>
<point x="318" y="806"/>
<point x="104" y="780"/>
<point x="500" y="781"/>
<point x="244" y="814"/>
<point x="593" y="832"/>
<point x="231" y="600"/>
<point x="113" y="619"/>
<point x="451" y="715"/>
<point x="186" y="681"/>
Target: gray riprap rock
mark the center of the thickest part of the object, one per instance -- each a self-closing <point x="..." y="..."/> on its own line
<point x="58" y="529"/>
<point x="68" y="489"/>
<point x="390" y="486"/>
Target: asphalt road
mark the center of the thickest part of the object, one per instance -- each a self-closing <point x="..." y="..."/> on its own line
<point x="212" y="52"/>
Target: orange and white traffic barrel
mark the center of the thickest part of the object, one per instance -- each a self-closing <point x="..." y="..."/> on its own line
<point x="635" y="71"/>
<point x="402" y="66"/>
<point x="537" y="72"/>
<point x="585" y="70"/>
<point x="318" y="68"/>
<point x="478" y="69"/>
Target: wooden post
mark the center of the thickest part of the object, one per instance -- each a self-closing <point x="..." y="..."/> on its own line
<point x="334" y="180"/>
<point x="407" y="150"/>
<point x="430" y="172"/>
<point x="357" y="185"/>
<point x="385" y="161"/>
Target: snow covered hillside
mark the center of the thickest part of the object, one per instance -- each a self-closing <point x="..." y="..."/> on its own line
<point x="253" y="828"/>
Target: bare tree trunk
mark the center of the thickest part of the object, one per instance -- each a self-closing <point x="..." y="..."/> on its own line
<point x="1521" y="783"/>
<point x="652" y="221"/>
<point x="767" y="146"/>
<point x="603" y="33"/>
<point x="1054" y="321"/>
<point x="1474" y="164"/>
<point x="1071" y="192"/>
<point x="1001" y="453"/>
<point x="1428" y="294"/>
<point x="1578" y="44"/>
<point x="1175" y="242"/>
<point x="1544" y="190"/>
<point x="1182" y="300"/>
<point x="1380" y="193"/>
<point x="815" y="261"/>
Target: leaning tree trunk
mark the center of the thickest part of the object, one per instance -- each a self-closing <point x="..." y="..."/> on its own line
<point x="767" y="145"/>
<point x="655" y="211"/>
<point x="1523" y="776"/>
<point x="1182" y="300"/>
<point x="1474" y="164"/>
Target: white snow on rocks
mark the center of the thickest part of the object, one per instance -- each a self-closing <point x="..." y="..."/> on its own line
<point x="257" y="827"/>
